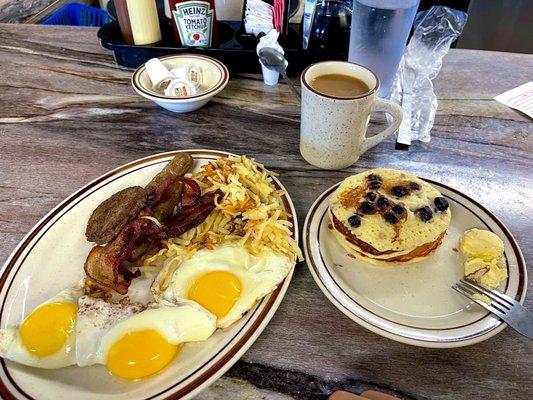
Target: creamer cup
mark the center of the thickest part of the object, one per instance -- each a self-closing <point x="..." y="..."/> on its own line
<point x="190" y="72"/>
<point x="270" y="77"/>
<point x="180" y="88"/>
<point x="159" y="75"/>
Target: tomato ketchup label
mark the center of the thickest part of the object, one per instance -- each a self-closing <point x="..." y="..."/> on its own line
<point x="194" y="22"/>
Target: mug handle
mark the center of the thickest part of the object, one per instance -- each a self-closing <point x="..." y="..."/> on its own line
<point x="397" y="115"/>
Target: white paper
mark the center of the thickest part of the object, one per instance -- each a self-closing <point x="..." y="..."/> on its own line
<point x="520" y="98"/>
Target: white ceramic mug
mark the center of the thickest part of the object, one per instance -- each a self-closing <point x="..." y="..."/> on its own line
<point x="333" y="129"/>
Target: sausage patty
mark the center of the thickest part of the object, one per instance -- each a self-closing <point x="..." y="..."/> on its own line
<point x="113" y="214"/>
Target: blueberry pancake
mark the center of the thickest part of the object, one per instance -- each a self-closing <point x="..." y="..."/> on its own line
<point x="386" y="216"/>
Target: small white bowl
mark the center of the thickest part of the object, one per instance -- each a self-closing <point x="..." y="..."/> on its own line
<point x="215" y="78"/>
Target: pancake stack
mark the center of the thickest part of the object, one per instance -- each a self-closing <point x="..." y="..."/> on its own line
<point x="386" y="216"/>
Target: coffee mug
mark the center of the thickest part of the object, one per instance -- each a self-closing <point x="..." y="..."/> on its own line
<point x="333" y="129"/>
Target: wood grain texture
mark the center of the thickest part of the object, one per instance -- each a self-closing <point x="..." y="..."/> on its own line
<point x="69" y="114"/>
<point x="19" y="10"/>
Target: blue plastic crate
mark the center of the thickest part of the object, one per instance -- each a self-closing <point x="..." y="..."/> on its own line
<point x="78" y="15"/>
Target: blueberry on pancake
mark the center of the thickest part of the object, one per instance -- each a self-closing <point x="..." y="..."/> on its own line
<point x="400" y="218"/>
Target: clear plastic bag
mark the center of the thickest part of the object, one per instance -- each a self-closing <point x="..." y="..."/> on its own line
<point x="435" y="30"/>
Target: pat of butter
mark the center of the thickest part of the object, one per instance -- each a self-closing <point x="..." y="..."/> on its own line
<point x="488" y="274"/>
<point x="482" y="244"/>
<point x="483" y="298"/>
<point x="483" y="251"/>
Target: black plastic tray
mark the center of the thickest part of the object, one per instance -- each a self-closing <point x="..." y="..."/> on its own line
<point x="235" y="49"/>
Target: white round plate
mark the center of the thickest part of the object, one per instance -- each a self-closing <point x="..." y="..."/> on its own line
<point x="50" y="258"/>
<point x="415" y="303"/>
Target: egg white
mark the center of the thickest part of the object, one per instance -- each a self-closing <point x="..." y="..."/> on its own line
<point x="106" y="323"/>
<point x="100" y="324"/>
<point x="12" y="348"/>
<point x="259" y="276"/>
<point x="95" y="318"/>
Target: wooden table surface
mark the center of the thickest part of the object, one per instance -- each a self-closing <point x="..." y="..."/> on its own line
<point x="68" y="114"/>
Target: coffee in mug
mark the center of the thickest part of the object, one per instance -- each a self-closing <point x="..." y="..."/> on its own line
<point x="339" y="85"/>
<point x="337" y="100"/>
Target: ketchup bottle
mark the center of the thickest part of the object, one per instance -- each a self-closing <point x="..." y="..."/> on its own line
<point x="194" y="22"/>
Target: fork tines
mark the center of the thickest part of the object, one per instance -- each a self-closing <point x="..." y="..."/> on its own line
<point x="495" y="296"/>
<point x="505" y="307"/>
<point x="469" y="290"/>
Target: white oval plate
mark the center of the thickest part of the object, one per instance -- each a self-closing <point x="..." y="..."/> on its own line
<point x="50" y="258"/>
<point x="413" y="304"/>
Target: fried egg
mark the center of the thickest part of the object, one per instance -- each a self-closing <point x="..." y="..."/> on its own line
<point x="226" y="281"/>
<point x="46" y="338"/>
<point x="134" y="341"/>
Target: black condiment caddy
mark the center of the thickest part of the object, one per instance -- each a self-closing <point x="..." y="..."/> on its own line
<point x="235" y="48"/>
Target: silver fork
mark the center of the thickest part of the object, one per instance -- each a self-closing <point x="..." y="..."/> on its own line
<point x="505" y="307"/>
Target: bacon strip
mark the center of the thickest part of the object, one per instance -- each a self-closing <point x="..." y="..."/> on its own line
<point x="192" y="192"/>
<point x="160" y="192"/>
<point x="169" y="193"/>
<point x="105" y="264"/>
<point x="189" y="217"/>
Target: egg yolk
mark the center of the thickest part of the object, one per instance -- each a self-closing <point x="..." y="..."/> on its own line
<point x="217" y="291"/>
<point x="45" y="330"/>
<point x="140" y="354"/>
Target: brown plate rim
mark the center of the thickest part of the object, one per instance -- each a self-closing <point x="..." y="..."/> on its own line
<point x="135" y="78"/>
<point x="522" y="282"/>
<point x="220" y="366"/>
